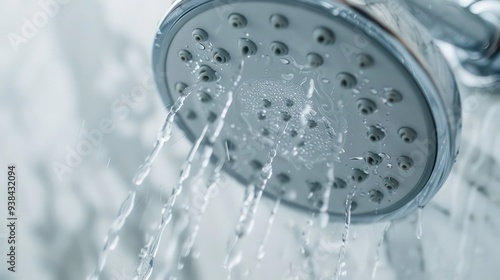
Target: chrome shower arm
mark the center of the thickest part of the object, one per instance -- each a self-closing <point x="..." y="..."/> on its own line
<point x="452" y="23"/>
<point x="476" y="32"/>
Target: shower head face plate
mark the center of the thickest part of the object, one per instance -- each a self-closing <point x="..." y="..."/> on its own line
<point x="324" y="78"/>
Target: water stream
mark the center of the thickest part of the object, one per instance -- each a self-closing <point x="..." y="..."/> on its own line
<point x="306" y="250"/>
<point x="113" y="236"/>
<point x="145" y="267"/>
<point x="163" y="136"/>
<point x="462" y="247"/>
<point x="194" y="229"/>
<point x="379" y="248"/>
<point x="261" y="252"/>
<point x="247" y="218"/>
<point x="345" y="236"/>
<point x="323" y="211"/>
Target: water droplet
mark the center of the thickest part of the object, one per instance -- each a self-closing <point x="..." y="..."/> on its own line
<point x="310" y="195"/>
<point x="373" y="91"/>
<point x="285" y="61"/>
<point x="325" y="81"/>
<point x="389" y="165"/>
<point x="288" y="77"/>
<point x="200" y="46"/>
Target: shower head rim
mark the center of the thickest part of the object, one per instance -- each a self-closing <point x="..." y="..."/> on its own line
<point x="445" y="114"/>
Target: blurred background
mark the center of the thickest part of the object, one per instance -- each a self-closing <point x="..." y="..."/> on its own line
<point x="73" y="69"/>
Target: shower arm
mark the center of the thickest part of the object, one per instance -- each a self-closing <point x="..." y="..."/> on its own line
<point x="474" y="29"/>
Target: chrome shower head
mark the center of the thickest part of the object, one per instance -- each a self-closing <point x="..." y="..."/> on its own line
<point x="360" y="86"/>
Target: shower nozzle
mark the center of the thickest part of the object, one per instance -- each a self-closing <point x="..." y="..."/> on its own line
<point x="344" y="86"/>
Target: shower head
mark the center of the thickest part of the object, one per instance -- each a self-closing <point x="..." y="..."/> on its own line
<point x="359" y="85"/>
